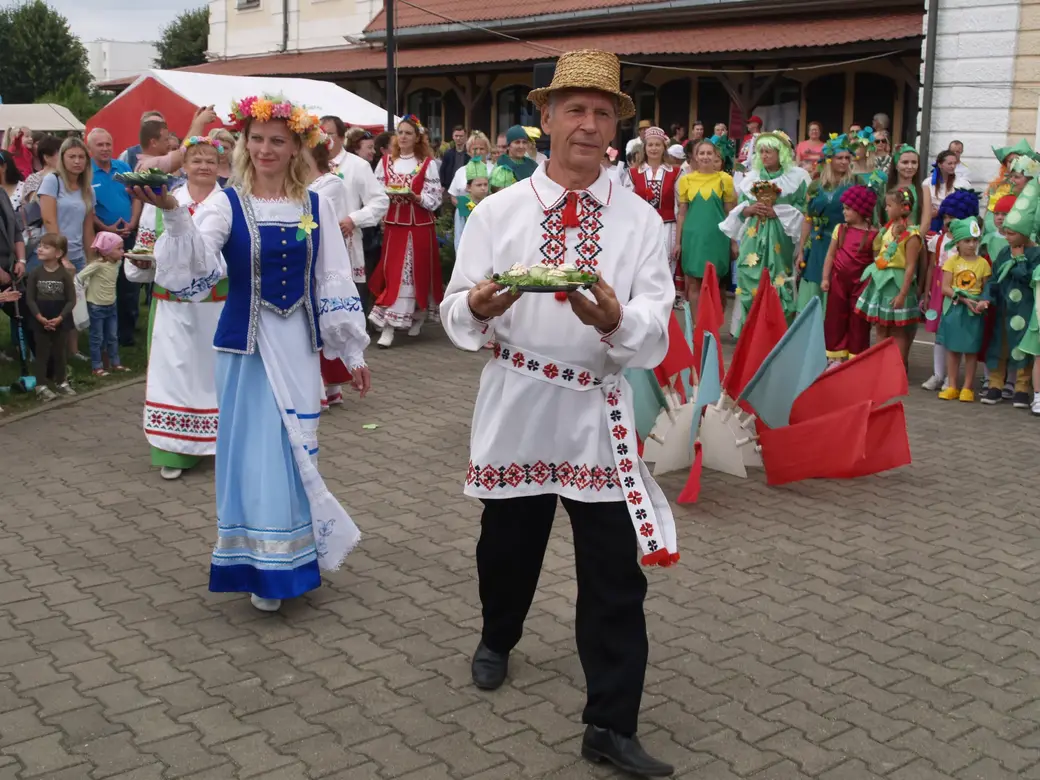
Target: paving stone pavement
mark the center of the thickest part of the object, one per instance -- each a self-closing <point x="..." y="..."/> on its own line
<point x="883" y="627"/>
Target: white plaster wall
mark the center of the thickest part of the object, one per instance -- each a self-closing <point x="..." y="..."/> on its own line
<point x="109" y="60"/>
<point x="313" y="24"/>
<point x="974" y="73"/>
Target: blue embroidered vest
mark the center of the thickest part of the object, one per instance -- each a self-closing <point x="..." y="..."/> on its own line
<point x="266" y="266"/>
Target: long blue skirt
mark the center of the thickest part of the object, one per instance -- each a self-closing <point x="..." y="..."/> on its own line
<point x="265" y="542"/>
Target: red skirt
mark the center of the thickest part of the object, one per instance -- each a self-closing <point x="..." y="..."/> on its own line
<point x="385" y="283"/>
<point x="333" y="372"/>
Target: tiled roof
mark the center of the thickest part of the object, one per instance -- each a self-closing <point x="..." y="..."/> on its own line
<point x="409" y="16"/>
<point x="694" y="41"/>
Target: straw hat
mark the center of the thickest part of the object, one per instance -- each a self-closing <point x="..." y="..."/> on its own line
<point x="587" y="69"/>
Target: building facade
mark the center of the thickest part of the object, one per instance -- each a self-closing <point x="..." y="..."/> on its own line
<point x="472" y="64"/>
<point x="249" y="28"/>
<point x="116" y="60"/>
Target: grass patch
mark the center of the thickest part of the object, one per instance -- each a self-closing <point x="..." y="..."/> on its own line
<point x="83" y="381"/>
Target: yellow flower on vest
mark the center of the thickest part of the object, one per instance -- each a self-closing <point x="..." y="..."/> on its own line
<point x="307" y="224"/>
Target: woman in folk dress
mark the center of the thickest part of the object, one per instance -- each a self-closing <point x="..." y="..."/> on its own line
<point x="290" y="294"/>
<point x="180" y="402"/>
<point x="657" y="182"/>
<point x="407" y="282"/>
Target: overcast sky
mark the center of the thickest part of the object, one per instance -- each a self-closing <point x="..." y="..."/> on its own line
<point x="121" y="20"/>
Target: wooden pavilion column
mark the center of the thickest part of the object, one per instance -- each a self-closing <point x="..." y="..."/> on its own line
<point x="470" y="93"/>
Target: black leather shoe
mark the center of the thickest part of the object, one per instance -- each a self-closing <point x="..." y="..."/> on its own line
<point x="625" y="753"/>
<point x="489" y="668"/>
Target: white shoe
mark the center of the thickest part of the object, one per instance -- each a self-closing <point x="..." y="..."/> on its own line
<point x="44" y="393"/>
<point x="386" y="338"/>
<point x="65" y="389"/>
<point x="1035" y="408"/>
<point x="170" y="473"/>
<point x="934" y="383"/>
<point x="416" y="327"/>
<point x="265" y="605"/>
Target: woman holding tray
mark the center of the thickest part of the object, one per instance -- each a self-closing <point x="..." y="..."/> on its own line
<point x="407" y="282"/>
<point x="290" y="294"/>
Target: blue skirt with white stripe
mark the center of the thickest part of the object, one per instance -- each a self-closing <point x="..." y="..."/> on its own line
<point x="265" y="542"/>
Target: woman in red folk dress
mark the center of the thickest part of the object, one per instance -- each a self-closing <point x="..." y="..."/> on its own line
<point x="407" y="282"/>
<point x="657" y="182"/>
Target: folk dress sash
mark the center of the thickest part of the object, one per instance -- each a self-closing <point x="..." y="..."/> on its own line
<point x="646" y="503"/>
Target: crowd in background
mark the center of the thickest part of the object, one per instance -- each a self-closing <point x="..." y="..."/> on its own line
<point x="67" y="187"/>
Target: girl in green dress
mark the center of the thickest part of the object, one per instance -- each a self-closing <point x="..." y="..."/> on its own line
<point x="706" y="196"/>
<point x="823" y="213"/>
<point x="767" y="231"/>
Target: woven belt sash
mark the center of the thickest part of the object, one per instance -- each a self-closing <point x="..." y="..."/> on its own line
<point x="646" y="503"/>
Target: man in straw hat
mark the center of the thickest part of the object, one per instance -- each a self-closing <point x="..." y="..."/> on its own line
<point x="553" y="417"/>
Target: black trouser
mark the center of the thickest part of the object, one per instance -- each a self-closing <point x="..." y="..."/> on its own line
<point x="50" y="352"/>
<point x="610" y="624"/>
<point x="128" y="300"/>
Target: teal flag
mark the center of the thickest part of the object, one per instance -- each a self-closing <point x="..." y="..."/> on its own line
<point x="647" y="399"/>
<point x="798" y="358"/>
<point x="709" y="391"/>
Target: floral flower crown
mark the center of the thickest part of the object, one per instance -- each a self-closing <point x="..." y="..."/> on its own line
<point x="834" y="145"/>
<point x="864" y="137"/>
<point x="203" y="140"/>
<point x="412" y="119"/>
<point x="267" y="107"/>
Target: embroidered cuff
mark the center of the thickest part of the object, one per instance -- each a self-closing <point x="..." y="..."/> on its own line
<point x="605" y="337"/>
<point x="482" y="323"/>
<point x="353" y="364"/>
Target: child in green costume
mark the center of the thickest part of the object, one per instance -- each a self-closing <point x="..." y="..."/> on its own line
<point x="1010" y="292"/>
<point x="960" y="331"/>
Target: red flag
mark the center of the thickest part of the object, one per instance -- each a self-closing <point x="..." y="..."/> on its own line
<point x="678" y="358"/>
<point x="692" y="489"/>
<point x="764" y="326"/>
<point x="820" y="447"/>
<point x="876" y="375"/>
<point x="709" y="317"/>
<point x="887" y="444"/>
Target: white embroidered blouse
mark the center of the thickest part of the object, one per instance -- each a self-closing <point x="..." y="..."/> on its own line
<point x="188" y="258"/>
<point x="531" y="437"/>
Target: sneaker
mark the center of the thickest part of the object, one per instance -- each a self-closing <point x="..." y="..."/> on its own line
<point x="65" y="389"/>
<point x="967" y="395"/>
<point x="993" y="396"/>
<point x="950" y="394"/>
<point x="44" y="393"/>
<point x="265" y="605"/>
<point x="1021" y="401"/>
<point x="1008" y="392"/>
<point x="1035" y="408"/>
<point x="933" y="383"/>
<point x="170" y="473"/>
<point x="79" y="356"/>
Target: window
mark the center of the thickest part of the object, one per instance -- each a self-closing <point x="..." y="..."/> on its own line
<point x="245" y="5"/>
<point x="426" y="104"/>
<point x="514" y="109"/>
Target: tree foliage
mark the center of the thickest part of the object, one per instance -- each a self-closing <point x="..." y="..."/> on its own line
<point x="84" y="103"/>
<point x="40" y="53"/>
<point x="184" y="41"/>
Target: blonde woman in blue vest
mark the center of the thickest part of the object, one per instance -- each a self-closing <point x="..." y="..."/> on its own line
<point x="290" y="294"/>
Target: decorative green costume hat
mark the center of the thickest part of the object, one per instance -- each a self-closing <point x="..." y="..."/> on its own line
<point x="476" y="169"/>
<point x="1021" y="148"/>
<point x="501" y="178"/>
<point x="1022" y="217"/>
<point x="963" y="230"/>
<point x="1026" y="166"/>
